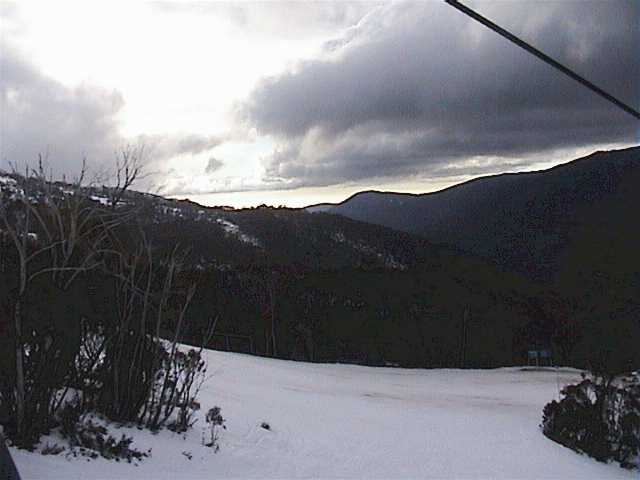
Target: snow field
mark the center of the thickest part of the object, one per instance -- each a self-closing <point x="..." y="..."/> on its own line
<point x="344" y="421"/>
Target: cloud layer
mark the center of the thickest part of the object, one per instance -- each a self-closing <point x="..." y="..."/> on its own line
<point x="39" y="115"/>
<point x="418" y="89"/>
<point x="410" y="90"/>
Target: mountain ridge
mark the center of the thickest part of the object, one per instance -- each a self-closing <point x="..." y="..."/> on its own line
<point x="466" y="182"/>
<point x="519" y="220"/>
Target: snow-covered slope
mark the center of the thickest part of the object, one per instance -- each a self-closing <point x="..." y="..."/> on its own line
<point x="342" y="421"/>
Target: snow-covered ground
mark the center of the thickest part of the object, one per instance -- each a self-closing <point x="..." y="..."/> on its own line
<point x="343" y="421"/>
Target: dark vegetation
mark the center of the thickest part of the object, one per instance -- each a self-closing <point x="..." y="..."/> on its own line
<point x="91" y="316"/>
<point x="539" y="224"/>
<point x="211" y="435"/>
<point x="90" y="438"/>
<point x="600" y="417"/>
<point x="570" y="229"/>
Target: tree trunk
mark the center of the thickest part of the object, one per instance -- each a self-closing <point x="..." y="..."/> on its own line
<point x="463" y="340"/>
<point x="19" y="369"/>
<point x="273" y="320"/>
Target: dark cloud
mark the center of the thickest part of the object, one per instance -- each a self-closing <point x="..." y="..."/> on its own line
<point x="39" y="115"/>
<point x="418" y="88"/>
<point x="213" y="165"/>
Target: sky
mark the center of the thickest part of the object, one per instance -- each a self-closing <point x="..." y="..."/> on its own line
<point x="296" y="103"/>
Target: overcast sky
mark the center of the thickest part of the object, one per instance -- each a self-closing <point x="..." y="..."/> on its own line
<point x="296" y="103"/>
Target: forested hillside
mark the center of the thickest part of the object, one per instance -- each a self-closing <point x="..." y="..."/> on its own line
<point x="323" y="287"/>
<point x="571" y="229"/>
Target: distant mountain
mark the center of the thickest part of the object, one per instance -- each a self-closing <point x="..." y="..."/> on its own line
<point x="319" y="286"/>
<point x="574" y="229"/>
<point x="537" y="223"/>
<point x="368" y="289"/>
<point x="324" y="287"/>
<point x="278" y="237"/>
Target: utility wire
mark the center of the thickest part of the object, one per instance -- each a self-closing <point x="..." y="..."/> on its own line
<point x="545" y="58"/>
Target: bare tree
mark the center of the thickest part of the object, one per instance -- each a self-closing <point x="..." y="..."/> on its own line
<point x="129" y="169"/>
<point x="55" y="232"/>
<point x="124" y="368"/>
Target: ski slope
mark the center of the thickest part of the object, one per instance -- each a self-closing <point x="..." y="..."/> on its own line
<point x="344" y="421"/>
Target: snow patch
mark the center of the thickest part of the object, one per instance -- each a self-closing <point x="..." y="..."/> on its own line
<point x="101" y="200"/>
<point x="4" y="180"/>
<point x="339" y="237"/>
<point x="233" y="229"/>
<point x="388" y="260"/>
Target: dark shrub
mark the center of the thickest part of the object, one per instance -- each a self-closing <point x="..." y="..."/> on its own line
<point x="210" y="435"/>
<point x="599" y="417"/>
<point x="91" y="439"/>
